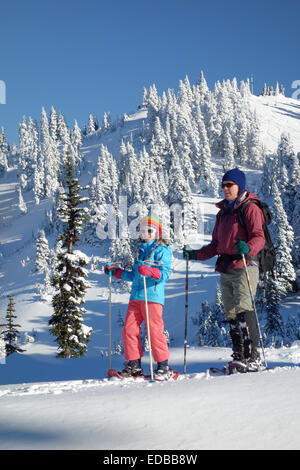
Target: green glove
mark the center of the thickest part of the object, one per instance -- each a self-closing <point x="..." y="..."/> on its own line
<point x="242" y="248"/>
<point x="188" y="253"/>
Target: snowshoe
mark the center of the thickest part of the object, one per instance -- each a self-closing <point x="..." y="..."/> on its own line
<point x="172" y="374"/>
<point x="132" y="369"/>
<point x="165" y="374"/>
<point x="237" y="367"/>
<point x="253" y="365"/>
<point x="217" y="371"/>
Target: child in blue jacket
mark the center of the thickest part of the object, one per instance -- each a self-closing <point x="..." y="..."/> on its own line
<point x="153" y="261"/>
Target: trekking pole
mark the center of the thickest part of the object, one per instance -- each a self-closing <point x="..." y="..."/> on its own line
<point x="110" y="328"/>
<point x="186" y="311"/>
<point x="148" y="330"/>
<point x="255" y="311"/>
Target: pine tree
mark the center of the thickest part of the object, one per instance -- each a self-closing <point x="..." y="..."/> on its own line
<point x="120" y="252"/>
<point x="42" y="252"/>
<point x="2" y="348"/>
<point x="296" y="226"/>
<point x="69" y="276"/>
<point x="103" y="191"/>
<point x="10" y="330"/>
<point x="22" y="203"/>
<point x="39" y="178"/>
<point x="151" y="191"/>
<point x="283" y="240"/>
<point x="63" y="132"/>
<point x="228" y="149"/>
<point x="133" y="175"/>
<point x="3" y="163"/>
<point x="50" y="156"/>
<point x="153" y="107"/>
<point x="241" y="132"/>
<point x="91" y="124"/>
<point x="3" y="152"/>
<point x="53" y="124"/>
<point x="289" y="174"/>
<point x="255" y="152"/>
<point x="106" y="123"/>
<point x="180" y="198"/>
<point x="76" y="137"/>
<point x="274" y="327"/>
<point x="292" y="330"/>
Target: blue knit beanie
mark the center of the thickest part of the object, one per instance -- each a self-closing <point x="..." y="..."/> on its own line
<point x="236" y="176"/>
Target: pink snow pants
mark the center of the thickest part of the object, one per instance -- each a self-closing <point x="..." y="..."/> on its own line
<point x="136" y="314"/>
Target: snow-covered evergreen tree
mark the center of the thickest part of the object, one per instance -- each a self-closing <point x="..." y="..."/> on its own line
<point x="42" y="252"/>
<point x="153" y="107"/>
<point x="70" y="272"/>
<point x="292" y="329"/>
<point x="3" y="152"/>
<point x="22" y="203"/>
<point x="106" y="123"/>
<point x="132" y="176"/>
<point x="76" y="138"/>
<point x="10" y="329"/>
<point x="53" y="124"/>
<point x="91" y="124"/>
<point x="3" y="163"/>
<point x="63" y="131"/>
<point x="229" y="161"/>
<point x="274" y="327"/>
<point x="289" y="174"/>
<point x="2" y="348"/>
<point x="49" y="155"/>
<point x="255" y="151"/>
<point x="283" y="240"/>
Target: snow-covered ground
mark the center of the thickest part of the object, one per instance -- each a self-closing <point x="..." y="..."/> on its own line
<point x="277" y="114"/>
<point x="251" y="411"/>
<point x="50" y="403"/>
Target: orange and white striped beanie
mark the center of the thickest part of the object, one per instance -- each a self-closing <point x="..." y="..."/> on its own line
<point x="153" y="221"/>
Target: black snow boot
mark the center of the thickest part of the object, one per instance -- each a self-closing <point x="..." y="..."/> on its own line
<point x="249" y="331"/>
<point x="237" y="364"/>
<point x="132" y="369"/>
<point x="237" y="341"/>
<point x="162" y="372"/>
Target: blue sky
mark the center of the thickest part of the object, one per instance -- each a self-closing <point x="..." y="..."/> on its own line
<point x="96" y="56"/>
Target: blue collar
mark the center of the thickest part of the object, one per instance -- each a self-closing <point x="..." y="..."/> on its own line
<point x="229" y="205"/>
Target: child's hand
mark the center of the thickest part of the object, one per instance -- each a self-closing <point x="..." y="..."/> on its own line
<point x="145" y="270"/>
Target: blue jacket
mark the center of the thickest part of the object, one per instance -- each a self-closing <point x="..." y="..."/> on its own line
<point x="155" y="287"/>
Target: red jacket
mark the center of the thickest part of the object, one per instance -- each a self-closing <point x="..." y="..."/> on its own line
<point x="228" y="231"/>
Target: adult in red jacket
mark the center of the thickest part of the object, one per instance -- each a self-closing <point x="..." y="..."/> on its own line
<point x="229" y="241"/>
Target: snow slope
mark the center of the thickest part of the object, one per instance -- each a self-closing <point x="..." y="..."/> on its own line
<point x="252" y="411"/>
<point x="277" y="114"/>
<point x="46" y="403"/>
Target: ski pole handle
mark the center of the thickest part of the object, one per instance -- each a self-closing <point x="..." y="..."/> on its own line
<point x="109" y="264"/>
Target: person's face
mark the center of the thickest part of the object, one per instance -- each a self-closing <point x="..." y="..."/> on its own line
<point x="230" y="190"/>
<point x="147" y="233"/>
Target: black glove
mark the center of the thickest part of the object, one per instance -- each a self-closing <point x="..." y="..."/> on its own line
<point x="188" y="253"/>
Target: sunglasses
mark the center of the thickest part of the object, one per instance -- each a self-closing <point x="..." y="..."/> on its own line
<point x="148" y="231"/>
<point x="227" y="185"/>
